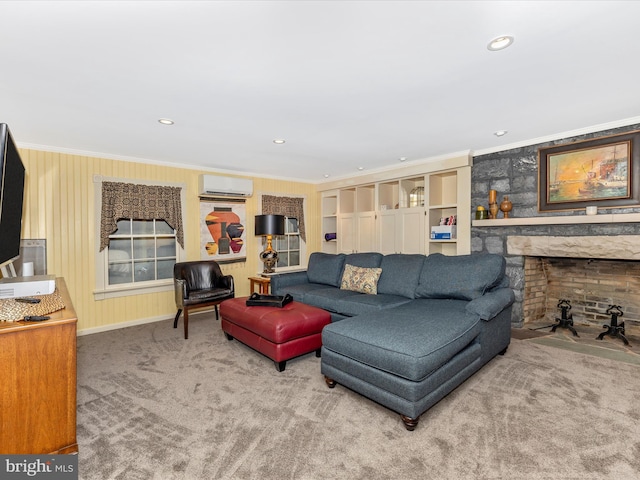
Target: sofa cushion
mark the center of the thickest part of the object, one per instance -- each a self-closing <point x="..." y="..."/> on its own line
<point x="400" y="274"/>
<point x="411" y="341"/>
<point x="300" y="291"/>
<point x="464" y="277"/>
<point x="359" y="279"/>
<point x="365" y="260"/>
<point x="362" y="304"/>
<point x="325" y="268"/>
<point x="328" y="298"/>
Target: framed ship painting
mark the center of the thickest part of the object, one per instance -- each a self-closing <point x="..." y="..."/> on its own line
<point x="602" y="172"/>
<point x="222" y="232"/>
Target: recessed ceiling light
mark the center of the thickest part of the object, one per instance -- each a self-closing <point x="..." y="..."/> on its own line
<point x="166" y="121"/>
<point x="500" y="133"/>
<point x="360" y="168"/>
<point x="326" y="175"/>
<point x="278" y="141"/>
<point x="402" y="159"/>
<point x="500" y="43"/>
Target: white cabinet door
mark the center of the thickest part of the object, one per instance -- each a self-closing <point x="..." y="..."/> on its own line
<point x="412" y="233"/>
<point x="388" y="231"/>
<point x="366" y="232"/>
<point x="346" y="233"/>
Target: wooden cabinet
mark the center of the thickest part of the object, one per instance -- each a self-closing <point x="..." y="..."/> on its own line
<point x="357" y="219"/>
<point x="401" y="228"/>
<point x="38" y="383"/>
<point x="401" y="231"/>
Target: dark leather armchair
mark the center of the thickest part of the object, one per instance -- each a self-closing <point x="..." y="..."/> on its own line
<point x="199" y="284"/>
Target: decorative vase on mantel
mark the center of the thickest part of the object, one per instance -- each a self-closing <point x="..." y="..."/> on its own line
<point x="506" y="206"/>
<point x="493" y="211"/>
<point x="493" y="205"/>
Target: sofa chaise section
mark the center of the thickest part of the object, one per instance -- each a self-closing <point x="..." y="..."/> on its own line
<point x="432" y="323"/>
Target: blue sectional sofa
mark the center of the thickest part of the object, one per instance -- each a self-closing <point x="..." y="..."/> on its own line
<point x="406" y="329"/>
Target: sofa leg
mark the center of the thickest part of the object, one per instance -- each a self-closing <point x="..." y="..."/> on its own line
<point x="503" y="351"/>
<point x="280" y="366"/>
<point x="318" y="353"/>
<point x="229" y="337"/>
<point x="410" y="423"/>
<point x="330" y="382"/>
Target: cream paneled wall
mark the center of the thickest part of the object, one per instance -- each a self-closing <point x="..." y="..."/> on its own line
<point x="59" y="206"/>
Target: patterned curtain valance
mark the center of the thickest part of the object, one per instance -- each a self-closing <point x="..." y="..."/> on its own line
<point x="289" y="206"/>
<point x="139" y="202"/>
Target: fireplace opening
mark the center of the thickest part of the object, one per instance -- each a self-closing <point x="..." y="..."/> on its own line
<point x="592" y="286"/>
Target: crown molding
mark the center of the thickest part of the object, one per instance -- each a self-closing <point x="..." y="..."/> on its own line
<point x="558" y="136"/>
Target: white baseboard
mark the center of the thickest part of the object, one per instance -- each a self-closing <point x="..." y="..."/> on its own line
<point x="116" y="326"/>
<point x="133" y="323"/>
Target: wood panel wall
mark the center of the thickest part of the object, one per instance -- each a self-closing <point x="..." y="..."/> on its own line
<point x="60" y="207"/>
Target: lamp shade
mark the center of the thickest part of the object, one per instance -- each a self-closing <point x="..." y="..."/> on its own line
<point x="269" y="224"/>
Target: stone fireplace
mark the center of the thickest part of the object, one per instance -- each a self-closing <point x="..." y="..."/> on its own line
<point x="593" y="273"/>
<point x="593" y="259"/>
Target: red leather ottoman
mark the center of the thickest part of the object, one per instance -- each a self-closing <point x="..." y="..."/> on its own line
<point x="278" y="333"/>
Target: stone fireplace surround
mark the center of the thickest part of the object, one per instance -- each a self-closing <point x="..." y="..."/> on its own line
<point x="565" y="234"/>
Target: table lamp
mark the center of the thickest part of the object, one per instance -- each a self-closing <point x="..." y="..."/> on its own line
<point x="269" y="225"/>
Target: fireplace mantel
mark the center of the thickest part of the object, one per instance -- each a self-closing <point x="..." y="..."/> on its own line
<point x="560" y="220"/>
<point x="618" y="247"/>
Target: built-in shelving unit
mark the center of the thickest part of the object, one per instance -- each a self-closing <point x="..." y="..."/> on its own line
<point x="329" y="221"/>
<point x="395" y="214"/>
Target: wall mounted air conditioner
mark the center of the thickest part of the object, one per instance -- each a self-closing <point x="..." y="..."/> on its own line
<point x="217" y="186"/>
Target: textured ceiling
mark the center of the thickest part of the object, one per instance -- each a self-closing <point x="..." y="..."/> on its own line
<point x="346" y="84"/>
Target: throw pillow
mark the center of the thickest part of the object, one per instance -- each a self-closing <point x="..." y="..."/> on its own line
<point x="360" y="279"/>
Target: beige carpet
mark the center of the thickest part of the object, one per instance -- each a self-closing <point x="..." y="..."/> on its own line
<point x="152" y="405"/>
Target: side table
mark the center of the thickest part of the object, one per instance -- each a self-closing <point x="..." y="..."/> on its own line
<point x="263" y="284"/>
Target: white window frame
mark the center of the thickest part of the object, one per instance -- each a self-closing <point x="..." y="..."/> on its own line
<point x="102" y="289"/>
<point x="288" y="240"/>
<point x="303" y="244"/>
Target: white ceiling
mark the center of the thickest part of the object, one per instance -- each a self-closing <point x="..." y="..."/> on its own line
<point x="347" y="84"/>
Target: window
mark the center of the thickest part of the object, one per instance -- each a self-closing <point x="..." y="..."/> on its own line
<point x="288" y="245"/>
<point x="141" y="251"/>
<point x="141" y="236"/>
<point x="291" y="246"/>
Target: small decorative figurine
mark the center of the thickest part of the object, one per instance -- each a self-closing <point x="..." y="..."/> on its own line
<point x="506" y="206"/>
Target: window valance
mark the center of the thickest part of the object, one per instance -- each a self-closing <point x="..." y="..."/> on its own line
<point x="139" y="202"/>
<point x="290" y="206"/>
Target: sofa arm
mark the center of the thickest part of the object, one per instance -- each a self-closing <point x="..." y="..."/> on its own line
<point x="491" y="304"/>
<point x="283" y="280"/>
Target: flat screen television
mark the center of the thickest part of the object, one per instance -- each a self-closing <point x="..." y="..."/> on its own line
<point x="12" y="176"/>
